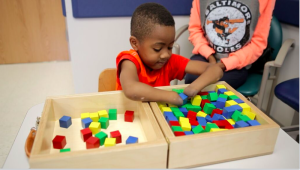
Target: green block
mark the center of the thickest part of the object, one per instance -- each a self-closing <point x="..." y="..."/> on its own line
<point x="177" y="129"/>
<point x="232" y="97"/>
<point x="194" y="108"/>
<point x="65" y="150"/>
<point x="101" y="136"/>
<point x="188" y="104"/>
<point x="198" y="129"/>
<point x="175" y="109"/>
<point x="178" y="114"/>
<point x="223" y="96"/>
<point x="178" y="90"/>
<point x="210" y="126"/>
<point x="112" y="114"/>
<point x="104" y="121"/>
<point x="244" y="118"/>
<point x="235" y="116"/>
<point x="208" y="108"/>
<point x="212" y="96"/>
<point x="204" y="97"/>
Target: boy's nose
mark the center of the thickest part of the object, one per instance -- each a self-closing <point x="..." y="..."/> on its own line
<point x="165" y="55"/>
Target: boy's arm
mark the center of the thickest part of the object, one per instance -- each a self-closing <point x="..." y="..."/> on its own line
<point x="136" y="90"/>
<point x="209" y="73"/>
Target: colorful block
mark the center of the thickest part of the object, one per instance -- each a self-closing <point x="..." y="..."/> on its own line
<point x="201" y="114"/>
<point x="251" y="115"/>
<point x="65" y="150"/>
<point x="166" y="114"/>
<point x="110" y="142"/>
<point x="210" y="126"/>
<point x="172" y="118"/>
<point x="245" y="107"/>
<point x="239" y="101"/>
<point x="129" y="116"/>
<point x="65" y="122"/>
<point x="95" y="127"/>
<point x="240" y="124"/>
<point x="179" y="133"/>
<point x="208" y="108"/>
<point x="204" y="97"/>
<point x="188" y="133"/>
<point x="94" y="116"/>
<point x="176" y="129"/>
<point x="202" y="121"/>
<point x="198" y="129"/>
<point x="178" y="114"/>
<point x="253" y="122"/>
<point x="216" y="130"/>
<point x="232" y="97"/>
<point x="216" y="111"/>
<point x="184" y="111"/>
<point x="131" y="140"/>
<point x="221" y="91"/>
<point x="183" y="119"/>
<point x="228" y="111"/>
<point x="244" y="118"/>
<point x="184" y="98"/>
<point x="223" y="96"/>
<point x="216" y="117"/>
<point x="208" y="118"/>
<point x="172" y="105"/>
<point x="104" y="122"/>
<point x="101" y="136"/>
<point x="204" y="101"/>
<point x="59" y="142"/>
<point x="220" y="86"/>
<point x="230" y="103"/>
<point x="92" y="142"/>
<point x="229" y="93"/>
<point x="85" y="123"/>
<point x="85" y="134"/>
<point x="103" y="113"/>
<point x="175" y="109"/>
<point x="203" y="93"/>
<point x="192" y="115"/>
<point x="116" y="134"/>
<point x="112" y="114"/>
<point x="186" y="126"/>
<point x="174" y="123"/>
<point x="166" y="109"/>
<point x="84" y="115"/>
<point x="236" y="114"/>
<point x="212" y="96"/>
<point x="232" y="122"/>
<point x="196" y="101"/>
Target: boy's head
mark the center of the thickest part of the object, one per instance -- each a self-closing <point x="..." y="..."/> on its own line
<point x="152" y="34"/>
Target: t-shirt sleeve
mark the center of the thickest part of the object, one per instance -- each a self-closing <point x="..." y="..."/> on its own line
<point x="178" y="64"/>
<point x="126" y="57"/>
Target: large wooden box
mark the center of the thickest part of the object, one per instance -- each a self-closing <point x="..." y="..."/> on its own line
<point x="150" y="152"/>
<point x="215" y="147"/>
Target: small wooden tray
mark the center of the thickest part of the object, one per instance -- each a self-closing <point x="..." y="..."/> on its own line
<point x="150" y="152"/>
<point x="215" y="147"/>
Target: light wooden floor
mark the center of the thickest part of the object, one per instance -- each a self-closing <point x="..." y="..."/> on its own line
<point x="23" y="86"/>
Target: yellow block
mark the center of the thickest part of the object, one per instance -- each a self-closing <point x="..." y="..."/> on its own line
<point x="245" y="107"/>
<point x="110" y="142"/>
<point x="220" y="87"/>
<point x="230" y="103"/>
<point x="183" y="120"/>
<point x="172" y="105"/>
<point x="95" y="127"/>
<point x="166" y="109"/>
<point x="196" y="101"/>
<point x="85" y="115"/>
<point x="160" y="105"/>
<point x="201" y="114"/>
<point x="229" y="93"/>
<point x="215" y="129"/>
<point x="186" y="126"/>
<point x="94" y="116"/>
<point x="231" y="121"/>
<point x="102" y="113"/>
<point x="251" y="115"/>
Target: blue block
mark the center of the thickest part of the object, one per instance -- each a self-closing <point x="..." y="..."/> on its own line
<point x="65" y="121"/>
<point x="228" y="111"/>
<point x="171" y="118"/>
<point x="184" y="111"/>
<point x="239" y="101"/>
<point x="131" y="140"/>
<point x="253" y="122"/>
<point x="193" y="127"/>
<point x="166" y="114"/>
<point x="216" y="117"/>
<point x="240" y="124"/>
<point x="221" y="91"/>
<point x="237" y="107"/>
<point x="208" y="118"/>
<point x="86" y="122"/>
<point x="222" y="118"/>
<point x="214" y="103"/>
<point x="184" y="98"/>
<point x="201" y="120"/>
<point x="220" y="103"/>
<point x="188" y="132"/>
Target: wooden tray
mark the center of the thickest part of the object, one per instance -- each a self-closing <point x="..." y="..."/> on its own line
<point x="215" y="147"/>
<point x="150" y="152"/>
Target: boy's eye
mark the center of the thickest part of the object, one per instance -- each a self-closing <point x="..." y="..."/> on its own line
<point x="157" y="50"/>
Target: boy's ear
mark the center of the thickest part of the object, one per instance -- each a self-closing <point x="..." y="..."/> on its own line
<point x="134" y="42"/>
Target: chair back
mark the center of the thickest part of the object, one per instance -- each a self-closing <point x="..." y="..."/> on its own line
<point x="107" y="80"/>
<point x="275" y="37"/>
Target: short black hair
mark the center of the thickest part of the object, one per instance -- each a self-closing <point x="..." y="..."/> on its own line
<point x="146" y="16"/>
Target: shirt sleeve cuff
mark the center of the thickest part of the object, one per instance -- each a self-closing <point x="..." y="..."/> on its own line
<point x="206" y="51"/>
<point x="230" y="63"/>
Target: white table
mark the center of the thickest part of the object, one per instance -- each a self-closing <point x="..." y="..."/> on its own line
<point x="286" y="152"/>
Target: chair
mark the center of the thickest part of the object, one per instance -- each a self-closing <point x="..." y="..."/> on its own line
<point x="257" y="82"/>
<point x="107" y="80"/>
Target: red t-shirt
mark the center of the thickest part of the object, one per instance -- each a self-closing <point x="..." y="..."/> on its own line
<point x="173" y="69"/>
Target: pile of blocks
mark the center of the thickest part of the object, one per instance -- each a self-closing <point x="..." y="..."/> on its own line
<point x="91" y="134"/>
<point x="208" y="112"/>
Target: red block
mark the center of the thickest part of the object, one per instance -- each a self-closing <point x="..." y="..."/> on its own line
<point x="85" y="134"/>
<point x="223" y="124"/>
<point x="194" y="122"/>
<point x="59" y="142"/>
<point x="203" y="93"/>
<point x="203" y="102"/>
<point x="191" y="115"/>
<point x="116" y="134"/>
<point x="92" y="142"/>
<point x="129" y="116"/>
<point x="174" y="123"/>
<point x="218" y="111"/>
<point x="179" y="133"/>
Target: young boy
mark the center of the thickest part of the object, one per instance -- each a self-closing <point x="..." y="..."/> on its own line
<point x="151" y="62"/>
